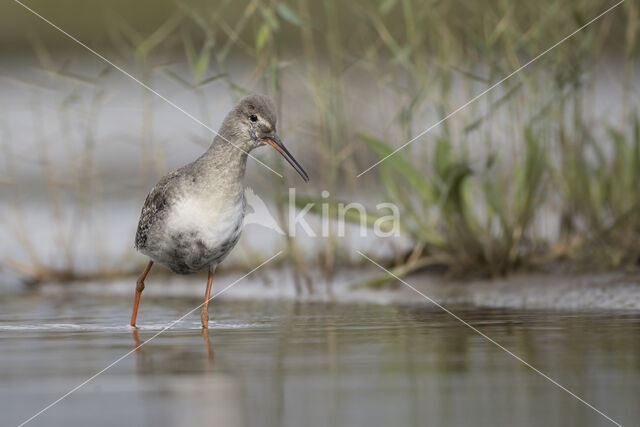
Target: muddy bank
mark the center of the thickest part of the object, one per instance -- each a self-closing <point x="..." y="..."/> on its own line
<point x="611" y="291"/>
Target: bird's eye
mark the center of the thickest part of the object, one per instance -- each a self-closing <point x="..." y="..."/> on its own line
<point x="253" y="118"/>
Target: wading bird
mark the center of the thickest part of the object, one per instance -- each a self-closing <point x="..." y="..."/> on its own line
<point x="192" y="218"/>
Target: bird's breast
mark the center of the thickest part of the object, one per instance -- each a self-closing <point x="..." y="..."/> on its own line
<point x="212" y="220"/>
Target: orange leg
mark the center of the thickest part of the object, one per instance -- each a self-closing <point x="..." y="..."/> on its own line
<point x="139" y="289"/>
<point x="205" y="309"/>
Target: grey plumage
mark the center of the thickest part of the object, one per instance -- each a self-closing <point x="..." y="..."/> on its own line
<point x="192" y="218"/>
<point x="154" y="208"/>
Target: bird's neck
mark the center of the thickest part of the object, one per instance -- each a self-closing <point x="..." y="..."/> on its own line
<point x="224" y="162"/>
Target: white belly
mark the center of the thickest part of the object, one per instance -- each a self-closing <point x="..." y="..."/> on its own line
<point x="213" y="221"/>
<point x="198" y="233"/>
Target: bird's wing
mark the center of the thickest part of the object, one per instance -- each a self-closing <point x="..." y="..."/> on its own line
<point x="154" y="206"/>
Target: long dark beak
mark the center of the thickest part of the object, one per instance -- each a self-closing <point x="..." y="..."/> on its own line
<point x="275" y="142"/>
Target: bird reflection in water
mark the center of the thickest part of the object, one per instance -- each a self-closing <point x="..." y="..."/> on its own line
<point x="143" y="359"/>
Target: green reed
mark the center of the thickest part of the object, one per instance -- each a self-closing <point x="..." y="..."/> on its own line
<point x="525" y="177"/>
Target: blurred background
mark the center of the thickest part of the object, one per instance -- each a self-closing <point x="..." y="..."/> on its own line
<point x="541" y="171"/>
<point x="535" y="186"/>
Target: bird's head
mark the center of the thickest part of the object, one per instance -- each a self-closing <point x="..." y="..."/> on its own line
<point x="253" y="121"/>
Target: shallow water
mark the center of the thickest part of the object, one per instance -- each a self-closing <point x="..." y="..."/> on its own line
<point x="276" y="363"/>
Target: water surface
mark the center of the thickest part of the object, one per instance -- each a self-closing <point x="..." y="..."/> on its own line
<point x="276" y="363"/>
